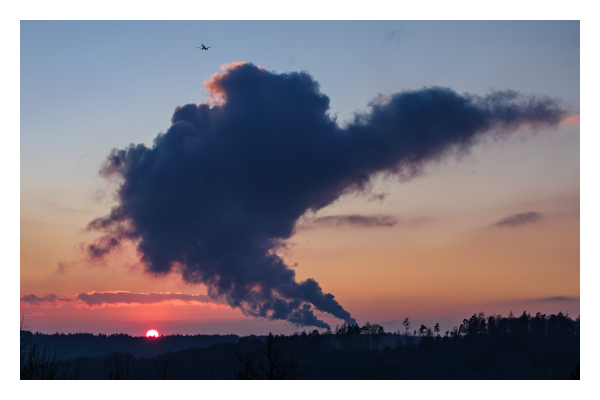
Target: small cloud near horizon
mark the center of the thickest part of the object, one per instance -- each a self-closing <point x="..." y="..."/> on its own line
<point x="519" y="219"/>
<point x="555" y="299"/>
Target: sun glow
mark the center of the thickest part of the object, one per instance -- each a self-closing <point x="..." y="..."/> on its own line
<point x="152" y="333"/>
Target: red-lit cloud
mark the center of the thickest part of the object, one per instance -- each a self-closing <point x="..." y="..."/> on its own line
<point x="115" y="299"/>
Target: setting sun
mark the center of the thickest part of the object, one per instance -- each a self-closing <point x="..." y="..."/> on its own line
<point x="152" y="333"/>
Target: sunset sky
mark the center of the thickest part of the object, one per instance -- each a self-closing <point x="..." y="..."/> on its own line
<point x="495" y="229"/>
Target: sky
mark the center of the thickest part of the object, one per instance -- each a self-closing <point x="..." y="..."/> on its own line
<point x="495" y="229"/>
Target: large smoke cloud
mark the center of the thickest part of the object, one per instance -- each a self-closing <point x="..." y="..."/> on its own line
<point x="219" y="192"/>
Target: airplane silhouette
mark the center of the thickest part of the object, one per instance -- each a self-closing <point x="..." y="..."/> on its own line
<point x="204" y="47"/>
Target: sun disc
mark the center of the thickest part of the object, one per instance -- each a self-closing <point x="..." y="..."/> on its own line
<point x="152" y="333"/>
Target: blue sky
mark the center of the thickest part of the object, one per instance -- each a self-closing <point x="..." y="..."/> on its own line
<point x="88" y="86"/>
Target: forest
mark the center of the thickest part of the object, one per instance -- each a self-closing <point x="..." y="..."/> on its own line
<point x="482" y="347"/>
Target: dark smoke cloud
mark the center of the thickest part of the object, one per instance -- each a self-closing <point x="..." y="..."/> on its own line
<point x="222" y="189"/>
<point x="519" y="219"/>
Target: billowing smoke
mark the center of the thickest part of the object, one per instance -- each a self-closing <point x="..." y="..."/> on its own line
<point x="219" y="192"/>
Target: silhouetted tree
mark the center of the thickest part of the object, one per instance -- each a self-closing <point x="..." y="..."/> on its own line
<point x="455" y="332"/>
<point x="276" y="365"/>
<point x="474" y="325"/>
<point x="367" y="331"/>
<point x="36" y="362"/>
<point x="575" y="374"/>
<point x="327" y="338"/>
<point x="378" y="334"/>
<point x="398" y="336"/>
<point x="162" y="363"/>
<point x="248" y="370"/>
<point x="373" y="333"/>
<point x="406" y="324"/>
<point x="121" y="365"/>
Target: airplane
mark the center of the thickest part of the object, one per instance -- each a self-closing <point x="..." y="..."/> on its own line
<point x="204" y="47"/>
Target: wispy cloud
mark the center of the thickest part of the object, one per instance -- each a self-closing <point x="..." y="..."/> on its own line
<point x="519" y="219"/>
<point x="114" y="299"/>
<point x="554" y="299"/>
<point x="360" y="221"/>
<point x="378" y="197"/>
<point x="363" y="221"/>
<point x="33" y="314"/>
<point x="62" y="267"/>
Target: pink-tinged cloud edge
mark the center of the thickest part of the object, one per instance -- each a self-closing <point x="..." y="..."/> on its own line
<point x="216" y="93"/>
<point x="102" y="299"/>
<point x="573" y="119"/>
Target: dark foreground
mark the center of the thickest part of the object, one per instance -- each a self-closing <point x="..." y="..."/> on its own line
<point x="525" y="347"/>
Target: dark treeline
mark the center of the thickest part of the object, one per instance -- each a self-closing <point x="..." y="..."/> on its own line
<point x="482" y="347"/>
<point x="87" y="344"/>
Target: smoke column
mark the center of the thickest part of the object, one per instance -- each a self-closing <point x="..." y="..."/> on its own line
<point x="219" y="192"/>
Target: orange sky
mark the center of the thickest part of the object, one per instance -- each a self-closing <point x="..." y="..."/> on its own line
<point x="443" y="260"/>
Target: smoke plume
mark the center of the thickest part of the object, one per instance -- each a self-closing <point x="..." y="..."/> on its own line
<point x="216" y="195"/>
